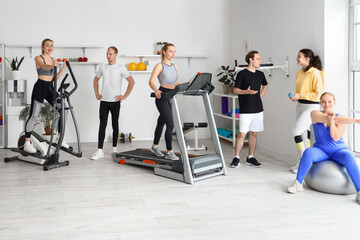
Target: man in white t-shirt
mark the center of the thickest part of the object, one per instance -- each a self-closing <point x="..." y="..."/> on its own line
<point x="110" y="97"/>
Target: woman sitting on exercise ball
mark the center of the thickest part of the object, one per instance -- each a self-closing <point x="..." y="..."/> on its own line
<point x="329" y="144"/>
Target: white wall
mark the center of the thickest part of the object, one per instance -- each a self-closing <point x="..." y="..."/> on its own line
<point x="196" y="27"/>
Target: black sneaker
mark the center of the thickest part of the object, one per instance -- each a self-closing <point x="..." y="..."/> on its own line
<point x="235" y="163"/>
<point x="253" y="162"/>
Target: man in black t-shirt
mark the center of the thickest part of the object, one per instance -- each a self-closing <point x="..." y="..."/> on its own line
<point x="251" y="86"/>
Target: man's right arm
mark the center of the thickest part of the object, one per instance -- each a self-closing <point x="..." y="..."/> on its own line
<point x="96" y="88"/>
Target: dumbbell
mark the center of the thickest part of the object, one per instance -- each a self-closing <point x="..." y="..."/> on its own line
<point x="126" y="137"/>
<point x="291" y="94"/>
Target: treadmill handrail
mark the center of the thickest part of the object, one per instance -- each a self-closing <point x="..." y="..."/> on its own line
<point x="183" y="89"/>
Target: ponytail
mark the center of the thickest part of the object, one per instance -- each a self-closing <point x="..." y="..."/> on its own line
<point x="314" y="60"/>
<point x="317" y="63"/>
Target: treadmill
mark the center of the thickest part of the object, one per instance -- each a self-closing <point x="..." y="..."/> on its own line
<point x="189" y="168"/>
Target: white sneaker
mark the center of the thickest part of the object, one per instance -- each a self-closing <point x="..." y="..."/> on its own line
<point x="294" y="169"/>
<point x="358" y="197"/>
<point x="171" y="156"/>
<point x="64" y="144"/>
<point x="98" y="154"/>
<point x="28" y="147"/>
<point x="296" y="187"/>
<point x="114" y="150"/>
<point x="157" y="151"/>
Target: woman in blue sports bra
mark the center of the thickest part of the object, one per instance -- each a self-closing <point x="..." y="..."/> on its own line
<point x="329" y="129"/>
<point x="167" y="74"/>
<point x="45" y="68"/>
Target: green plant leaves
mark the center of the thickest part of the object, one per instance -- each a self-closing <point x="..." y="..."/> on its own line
<point x="46" y="114"/>
<point x="15" y="64"/>
<point x="228" y="77"/>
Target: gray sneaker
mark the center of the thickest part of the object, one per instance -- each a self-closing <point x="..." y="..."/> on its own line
<point x="171" y="156"/>
<point x="157" y="151"/>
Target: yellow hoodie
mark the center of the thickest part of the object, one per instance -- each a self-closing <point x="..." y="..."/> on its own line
<point x="310" y="84"/>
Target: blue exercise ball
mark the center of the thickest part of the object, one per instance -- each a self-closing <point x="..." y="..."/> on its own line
<point x="330" y="177"/>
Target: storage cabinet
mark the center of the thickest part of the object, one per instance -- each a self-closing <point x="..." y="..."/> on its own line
<point x="224" y="116"/>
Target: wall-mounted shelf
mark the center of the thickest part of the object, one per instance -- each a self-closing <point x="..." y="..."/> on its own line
<point x="141" y="57"/>
<point x="85" y="63"/>
<point x="140" y="72"/>
<point x="30" y="47"/>
<point x="268" y="69"/>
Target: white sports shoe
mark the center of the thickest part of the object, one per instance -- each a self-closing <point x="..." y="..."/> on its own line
<point x="64" y="144"/>
<point x="114" y="150"/>
<point x="98" y="154"/>
<point x="29" y="147"/>
<point x="171" y="156"/>
<point x="296" y="187"/>
<point x="358" y="197"/>
<point x="157" y="151"/>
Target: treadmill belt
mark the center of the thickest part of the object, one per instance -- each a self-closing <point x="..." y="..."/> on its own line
<point x="146" y="154"/>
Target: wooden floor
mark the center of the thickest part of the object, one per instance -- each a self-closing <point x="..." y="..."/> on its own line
<point x="102" y="200"/>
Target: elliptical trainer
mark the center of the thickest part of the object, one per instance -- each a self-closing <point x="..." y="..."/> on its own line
<point x="45" y="155"/>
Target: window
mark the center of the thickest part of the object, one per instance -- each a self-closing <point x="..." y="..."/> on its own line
<point x="354" y="98"/>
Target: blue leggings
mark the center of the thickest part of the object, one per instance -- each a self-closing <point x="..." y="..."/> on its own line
<point x="344" y="157"/>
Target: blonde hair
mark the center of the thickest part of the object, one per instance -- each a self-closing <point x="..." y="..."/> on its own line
<point x="43" y="43"/>
<point x="165" y="48"/>
<point x="327" y="93"/>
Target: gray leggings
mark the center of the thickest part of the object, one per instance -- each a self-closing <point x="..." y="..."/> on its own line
<point x="40" y="92"/>
<point x="36" y="108"/>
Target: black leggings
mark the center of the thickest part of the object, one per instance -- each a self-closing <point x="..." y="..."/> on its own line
<point x="114" y="108"/>
<point x="164" y="107"/>
<point x="40" y="92"/>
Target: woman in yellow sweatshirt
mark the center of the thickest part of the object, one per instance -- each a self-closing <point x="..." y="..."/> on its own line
<point x="309" y="87"/>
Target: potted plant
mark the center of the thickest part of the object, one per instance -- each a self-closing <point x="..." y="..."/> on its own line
<point x="14" y="66"/>
<point x="227" y="78"/>
<point x="46" y="115"/>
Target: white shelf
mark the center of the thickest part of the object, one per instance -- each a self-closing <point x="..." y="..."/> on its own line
<point x="225" y="116"/>
<point x="229" y="139"/>
<point x="284" y="67"/>
<point x="83" y="63"/>
<point x="56" y="46"/>
<point x="141" y="57"/>
<point x="225" y="95"/>
<point x="232" y="103"/>
<point x="30" y="46"/>
<point x="140" y="72"/>
<point x="157" y="56"/>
